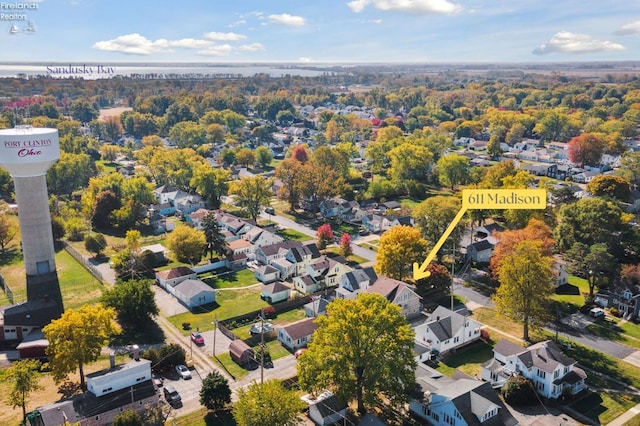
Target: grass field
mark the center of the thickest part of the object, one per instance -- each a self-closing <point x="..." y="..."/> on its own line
<point x="291" y="234"/>
<point x="572" y="293"/>
<point x="468" y="360"/>
<point x="242" y="278"/>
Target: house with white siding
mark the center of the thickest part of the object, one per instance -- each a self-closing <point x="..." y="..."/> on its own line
<point x="400" y="293"/>
<point x="446" y="331"/>
<point x="297" y="334"/>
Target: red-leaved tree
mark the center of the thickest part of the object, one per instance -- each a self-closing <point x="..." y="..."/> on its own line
<point x="324" y="235"/>
<point x="586" y="149"/>
<point x="345" y="245"/>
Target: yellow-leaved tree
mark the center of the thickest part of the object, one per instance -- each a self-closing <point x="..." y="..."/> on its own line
<point x="400" y="247"/>
<point x="77" y="337"/>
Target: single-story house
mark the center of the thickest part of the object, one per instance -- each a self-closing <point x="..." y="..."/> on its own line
<point x="447" y="330"/>
<point x="399" y="293"/>
<point x="172" y="277"/>
<point x="317" y="306"/>
<point x="298" y="334"/>
<point x="192" y="293"/>
<point x="158" y="251"/>
<point x="241" y="353"/>
<point x="275" y="292"/>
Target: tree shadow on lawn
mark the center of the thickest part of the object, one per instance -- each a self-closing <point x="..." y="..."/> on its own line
<point x="10" y="256"/>
<point x="568" y="290"/>
<point x="140" y="336"/>
<point x="590" y="406"/>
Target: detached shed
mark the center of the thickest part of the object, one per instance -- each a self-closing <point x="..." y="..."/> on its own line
<point x="241" y="353"/>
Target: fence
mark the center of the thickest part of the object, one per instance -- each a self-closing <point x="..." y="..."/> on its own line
<point x="7" y="289"/>
<point x="84" y="262"/>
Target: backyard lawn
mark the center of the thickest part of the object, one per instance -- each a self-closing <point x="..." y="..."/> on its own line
<point x="291" y="234"/>
<point x="468" y="360"/>
<point x="232" y="279"/>
<point x="572" y="293"/>
<point x="229" y="304"/>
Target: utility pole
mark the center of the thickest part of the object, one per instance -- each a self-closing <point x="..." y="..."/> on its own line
<point x="215" y="333"/>
<point x="453" y="264"/>
<point x="261" y="346"/>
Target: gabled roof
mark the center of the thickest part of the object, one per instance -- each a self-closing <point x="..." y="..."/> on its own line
<point x="358" y="276"/>
<point x="276" y="287"/>
<point x="299" y="329"/>
<point x="273" y="249"/>
<point x="329" y="406"/>
<point x="267" y="269"/>
<point x="507" y="348"/>
<point x="300" y="252"/>
<point x="445" y="324"/>
<point x="239" y="347"/>
<point x="389" y="288"/>
<point x="482" y="245"/>
<point x="191" y="288"/>
<point x="199" y="214"/>
<point x="547" y="356"/>
<point x="180" y="271"/>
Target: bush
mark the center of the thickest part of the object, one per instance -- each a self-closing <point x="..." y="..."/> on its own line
<point x="186" y="326"/>
<point x="615" y="312"/>
<point x="269" y="312"/>
<point x="519" y="391"/>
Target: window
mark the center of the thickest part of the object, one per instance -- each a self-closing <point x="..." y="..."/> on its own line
<point x="556" y="374"/>
<point x="541" y="374"/>
<point x="456" y="339"/>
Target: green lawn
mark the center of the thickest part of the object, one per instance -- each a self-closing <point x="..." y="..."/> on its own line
<point x="635" y="421"/>
<point x="633" y="330"/>
<point x="241" y="278"/>
<point x="229" y="304"/>
<point x="604" y="407"/>
<point x="612" y="331"/>
<point x="352" y="259"/>
<point x="468" y="360"/>
<point x="291" y="234"/>
<point x="572" y="293"/>
<point x="283" y="318"/>
<point x="224" y="360"/>
<point x="275" y="348"/>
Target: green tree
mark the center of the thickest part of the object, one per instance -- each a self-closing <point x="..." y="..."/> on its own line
<point x="245" y="157"/>
<point x="267" y="403"/>
<point x="525" y="277"/>
<point x="399" y="248"/>
<point x="211" y="183"/>
<point x="23" y="379"/>
<point x="289" y="172"/>
<point x="134" y="303"/>
<point x="263" y="156"/>
<point x="630" y="169"/>
<point x="113" y="129"/>
<point x="83" y="111"/>
<point x="609" y="186"/>
<point x="453" y="169"/>
<point x="318" y="183"/>
<point x="371" y="357"/>
<point x="493" y="147"/>
<point x="187" y="243"/>
<point x="188" y="134"/>
<point x="215" y="393"/>
<point x="594" y="263"/>
<point x="552" y="126"/>
<point x="109" y="152"/>
<point x="215" y="242"/>
<point x="70" y="173"/>
<point x="77" y="338"/>
<point x="128" y="418"/>
<point x="252" y="194"/>
<point x="409" y="164"/>
<point x="8" y="231"/>
<point x="434" y="215"/>
<point x="95" y="244"/>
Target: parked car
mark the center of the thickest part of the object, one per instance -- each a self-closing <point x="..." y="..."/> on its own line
<point x="171" y="395"/>
<point x="157" y="380"/>
<point x="183" y="372"/>
<point x="363" y="232"/>
<point x="197" y="338"/>
<point x="269" y="210"/>
<point x="299" y="352"/>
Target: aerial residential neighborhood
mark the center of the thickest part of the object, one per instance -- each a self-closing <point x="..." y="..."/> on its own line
<point x="193" y="245"/>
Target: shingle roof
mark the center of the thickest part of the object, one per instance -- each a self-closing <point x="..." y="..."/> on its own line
<point x="180" y="271"/>
<point x="191" y="288"/>
<point x="276" y="287"/>
<point x="299" y="329"/>
<point x="272" y="249"/>
<point x="445" y="324"/>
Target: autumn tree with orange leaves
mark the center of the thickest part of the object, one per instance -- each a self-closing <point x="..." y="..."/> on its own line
<point x="536" y="230"/>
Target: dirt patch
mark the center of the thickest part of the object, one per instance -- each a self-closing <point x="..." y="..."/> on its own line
<point x="110" y="112"/>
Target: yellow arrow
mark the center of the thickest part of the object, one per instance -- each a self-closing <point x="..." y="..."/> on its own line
<point x="478" y="199"/>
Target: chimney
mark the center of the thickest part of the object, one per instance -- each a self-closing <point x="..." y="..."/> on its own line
<point x="136" y="352"/>
<point x="112" y="359"/>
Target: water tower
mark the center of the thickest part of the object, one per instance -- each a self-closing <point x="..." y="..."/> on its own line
<point x="27" y="153"/>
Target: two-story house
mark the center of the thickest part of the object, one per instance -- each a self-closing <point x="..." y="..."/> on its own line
<point x="400" y="293"/>
<point x="354" y="282"/>
<point x="553" y="374"/>
<point x="447" y="330"/>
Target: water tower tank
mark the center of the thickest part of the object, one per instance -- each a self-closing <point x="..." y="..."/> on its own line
<point x="28" y="151"/>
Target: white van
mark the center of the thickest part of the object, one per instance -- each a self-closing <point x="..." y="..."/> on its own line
<point x="597" y="313"/>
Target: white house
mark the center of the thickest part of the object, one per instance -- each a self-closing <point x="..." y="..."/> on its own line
<point x="400" y="293"/>
<point x="447" y="330"/>
<point x="461" y="401"/>
<point x="171" y="277"/>
<point x="480" y="251"/>
<point x="267" y="274"/>
<point x="298" y="334"/>
<point x="192" y="293"/>
<point x="325" y="409"/>
<point x="560" y="273"/>
<point x="354" y="282"/>
<point x="552" y="373"/>
<point x="259" y="237"/>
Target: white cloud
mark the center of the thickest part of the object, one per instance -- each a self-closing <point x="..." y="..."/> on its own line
<point x="237" y="23"/>
<point x="215" y="36"/>
<point x="304" y="59"/>
<point x="188" y="43"/>
<point x="409" y="6"/>
<point x="133" y="44"/>
<point x="567" y="42"/>
<point x="288" y="20"/>
<point x="218" y="50"/>
<point x="632" y="28"/>
<point x="253" y="47"/>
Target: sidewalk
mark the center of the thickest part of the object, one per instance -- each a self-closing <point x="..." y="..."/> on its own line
<point x="626" y="416"/>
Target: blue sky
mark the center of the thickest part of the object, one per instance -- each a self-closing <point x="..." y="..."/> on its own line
<point x="402" y="31"/>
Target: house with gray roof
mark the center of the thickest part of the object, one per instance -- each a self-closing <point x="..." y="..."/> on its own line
<point x="354" y="282"/>
<point x="459" y="401"/>
<point x="275" y="292"/>
<point x="297" y="334"/>
<point x="192" y="293"/>
<point x="553" y="373"/>
<point x="446" y="331"/>
<point x="400" y="293"/>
